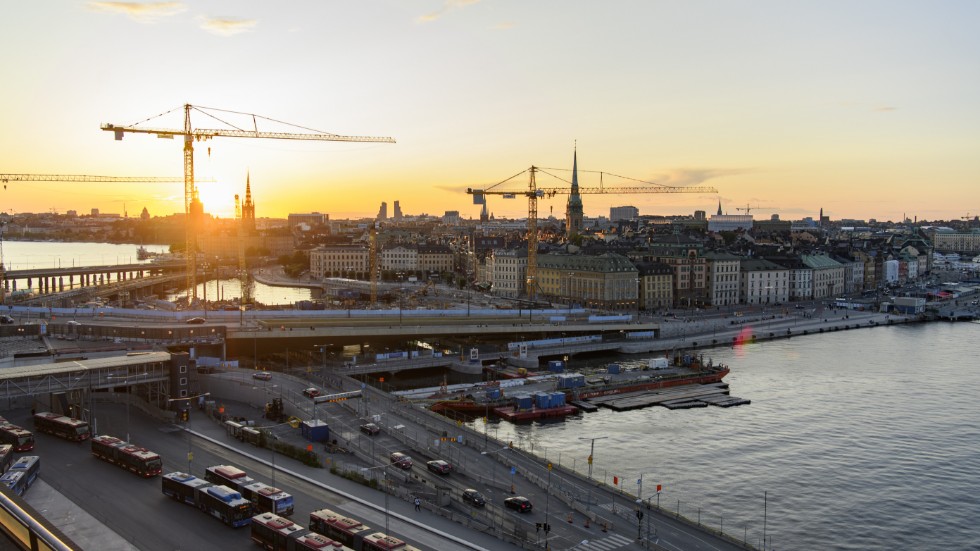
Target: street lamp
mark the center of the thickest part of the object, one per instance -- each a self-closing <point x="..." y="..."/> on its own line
<point x="384" y="475"/>
<point x="190" y="453"/>
<point x="129" y="396"/>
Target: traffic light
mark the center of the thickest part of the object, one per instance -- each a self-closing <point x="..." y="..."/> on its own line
<point x="185" y="415"/>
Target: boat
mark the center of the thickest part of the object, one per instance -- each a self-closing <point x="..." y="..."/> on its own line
<point x="685" y="370"/>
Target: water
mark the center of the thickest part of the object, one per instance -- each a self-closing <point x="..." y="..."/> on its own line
<point x="863" y="439"/>
<point x="25" y="255"/>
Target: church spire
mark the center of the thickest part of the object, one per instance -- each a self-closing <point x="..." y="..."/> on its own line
<point x="719" y="207"/>
<point x="573" y="210"/>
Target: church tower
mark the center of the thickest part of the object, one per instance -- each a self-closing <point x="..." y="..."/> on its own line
<point x="573" y="211"/>
<point x="248" y="208"/>
<point x="719" y="207"/>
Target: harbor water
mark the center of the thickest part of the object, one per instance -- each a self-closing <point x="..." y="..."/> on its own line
<point x="861" y="439"/>
<point x="24" y="255"/>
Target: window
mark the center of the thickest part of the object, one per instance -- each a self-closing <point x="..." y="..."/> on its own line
<point x="183" y="369"/>
<point x="182" y="382"/>
<point x="183" y="393"/>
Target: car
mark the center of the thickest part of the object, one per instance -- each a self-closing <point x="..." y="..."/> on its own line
<point x="196" y="321"/>
<point x="439" y="466"/>
<point x="401" y="460"/>
<point x="799" y="307"/>
<point x="262" y="376"/>
<point x="473" y="497"/>
<point x="370" y="429"/>
<point x="73" y="322"/>
<point x="520" y="504"/>
<point x="6" y="320"/>
<point x="311" y="392"/>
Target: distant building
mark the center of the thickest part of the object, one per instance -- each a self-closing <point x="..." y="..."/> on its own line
<point x="451" y="218"/>
<point x="398" y="212"/>
<point x="350" y="261"/>
<point x="617" y="214"/>
<point x="730" y="222"/>
<point x="383" y="211"/>
<point x="311" y="219"/>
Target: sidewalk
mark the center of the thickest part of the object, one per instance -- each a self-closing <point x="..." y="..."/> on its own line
<point x="84" y="529"/>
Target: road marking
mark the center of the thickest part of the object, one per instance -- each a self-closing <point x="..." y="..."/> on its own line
<point x="614" y="541"/>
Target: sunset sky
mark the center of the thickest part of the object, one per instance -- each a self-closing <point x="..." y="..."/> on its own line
<point x="867" y="109"/>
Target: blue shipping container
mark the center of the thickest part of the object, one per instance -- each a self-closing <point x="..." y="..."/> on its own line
<point x="612" y="369"/>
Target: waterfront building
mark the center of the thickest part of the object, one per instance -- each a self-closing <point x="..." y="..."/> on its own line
<point x="348" y="261"/>
<point x="800" y="276"/>
<point x="435" y="259"/>
<point x="948" y="240"/>
<point x="657" y="286"/>
<point x="763" y="282"/>
<point x="828" y="275"/>
<point x="507" y="272"/>
<point x="311" y="219"/>
<point x="723" y="278"/>
<point x="608" y="281"/>
<point x="400" y="258"/>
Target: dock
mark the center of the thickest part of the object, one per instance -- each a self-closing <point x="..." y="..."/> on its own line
<point x="679" y="397"/>
<point x="510" y="413"/>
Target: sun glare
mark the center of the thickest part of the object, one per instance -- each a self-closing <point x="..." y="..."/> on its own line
<point x="218" y="198"/>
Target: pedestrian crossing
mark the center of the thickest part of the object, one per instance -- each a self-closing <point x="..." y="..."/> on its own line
<point x="607" y="543"/>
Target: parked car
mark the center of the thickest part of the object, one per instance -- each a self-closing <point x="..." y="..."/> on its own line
<point x="474" y="497"/>
<point x="520" y="504"/>
<point x="370" y="429"/>
<point x="311" y="392"/>
<point x="6" y="320"/>
<point x="196" y="321"/>
<point x="262" y="375"/>
<point x="439" y="466"/>
<point x="401" y="460"/>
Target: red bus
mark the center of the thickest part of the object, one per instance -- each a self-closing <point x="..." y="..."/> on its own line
<point x="21" y="439"/>
<point x="353" y="533"/>
<point x="133" y="458"/>
<point x="61" y="426"/>
<point x="276" y="533"/>
<point x="227" y="475"/>
<point x="6" y="457"/>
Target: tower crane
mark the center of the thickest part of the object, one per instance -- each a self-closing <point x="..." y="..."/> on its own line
<point x="191" y="134"/>
<point x="533" y="193"/>
<point x="80" y="178"/>
<point x="750" y="208"/>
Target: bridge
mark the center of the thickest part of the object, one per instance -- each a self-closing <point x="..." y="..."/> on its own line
<point x="84" y="282"/>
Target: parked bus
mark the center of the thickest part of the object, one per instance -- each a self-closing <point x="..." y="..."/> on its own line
<point x="30" y="466"/>
<point x="16" y="481"/>
<point x="6" y="457"/>
<point x="276" y="533"/>
<point x="134" y="458"/>
<point x="61" y="426"/>
<point x="266" y="499"/>
<point x="227" y="475"/>
<point x="353" y="533"/>
<point x="220" y="502"/>
<point x="21" y="439"/>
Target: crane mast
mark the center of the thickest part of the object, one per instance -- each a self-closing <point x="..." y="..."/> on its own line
<point x="190" y="134"/>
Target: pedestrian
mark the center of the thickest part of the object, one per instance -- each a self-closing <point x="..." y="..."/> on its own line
<point x="418" y="504"/>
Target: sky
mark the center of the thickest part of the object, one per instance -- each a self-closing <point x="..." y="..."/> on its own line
<point x="868" y="110"/>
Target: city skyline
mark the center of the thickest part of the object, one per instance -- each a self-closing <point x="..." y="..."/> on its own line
<point x="866" y="111"/>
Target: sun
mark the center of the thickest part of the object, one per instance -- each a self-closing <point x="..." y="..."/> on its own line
<point x="218" y="198"/>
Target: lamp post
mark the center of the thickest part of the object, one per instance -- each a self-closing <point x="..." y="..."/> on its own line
<point x="384" y="475"/>
<point x="493" y="472"/>
<point x="190" y="453"/>
<point x="129" y="396"/>
<point x="591" y="449"/>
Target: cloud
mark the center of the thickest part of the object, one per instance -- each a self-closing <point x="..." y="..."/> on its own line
<point x="448" y="6"/>
<point x="885" y="109"/>
<point x="142" y="12"/>
<point x="696" y="176"/>
<point x="223" y="26"/>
